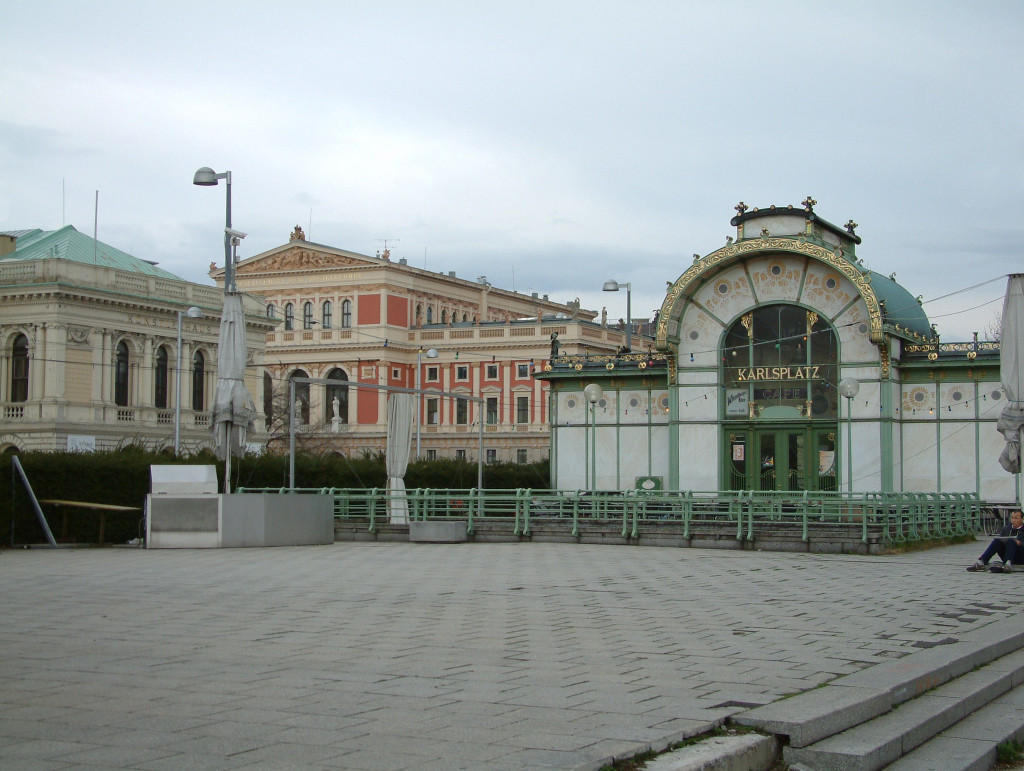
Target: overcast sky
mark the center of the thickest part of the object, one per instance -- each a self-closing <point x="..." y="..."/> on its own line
<point x="547" y="145"/>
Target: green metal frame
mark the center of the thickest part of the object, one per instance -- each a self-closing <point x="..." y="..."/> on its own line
<point x="896" y="518"/>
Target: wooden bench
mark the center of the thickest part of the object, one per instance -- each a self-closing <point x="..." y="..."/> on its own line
<point x="102" y="508"/>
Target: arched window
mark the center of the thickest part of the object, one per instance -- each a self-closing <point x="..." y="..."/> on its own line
<point x="301" y="398"/>
<point x="339" y="393"/>
<point x="444" y="317"/>
<point x="430" y="315"/>
<point x="271" y="311"/>
<point x="346" y="314"/>
<point x="19" y="369"/>
<point x="268" y="399"/>
<point x="419" y="314"/>
<point x="782" y="358"/>
<point x="307" y="315"/>
<point x="121" y="361"/>
<point x="328" y="310"/>
<point x="198" y="381"/>
<point x="289" y="316"/>
<point x="160" y="379"/>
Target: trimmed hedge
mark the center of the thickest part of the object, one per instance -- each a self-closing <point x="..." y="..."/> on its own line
<point x="122" y="478"/>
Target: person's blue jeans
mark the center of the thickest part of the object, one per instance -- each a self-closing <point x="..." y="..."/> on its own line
<point x="1008" y="550"/>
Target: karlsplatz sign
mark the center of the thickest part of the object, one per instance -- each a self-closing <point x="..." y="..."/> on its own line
<point x="777" y="373"/>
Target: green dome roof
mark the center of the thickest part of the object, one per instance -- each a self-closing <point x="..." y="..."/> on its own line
<point x="899" y="307"/>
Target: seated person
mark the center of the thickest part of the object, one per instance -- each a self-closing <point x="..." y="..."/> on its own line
<point x="1009" y="547"/>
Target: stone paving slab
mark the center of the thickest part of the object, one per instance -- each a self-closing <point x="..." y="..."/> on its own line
<point x="482" y="656"/>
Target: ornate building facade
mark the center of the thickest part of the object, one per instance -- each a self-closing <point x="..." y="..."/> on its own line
<point x="358" y="324"/>
<point x="783" y="363"/>
<point x="89" y="342"/>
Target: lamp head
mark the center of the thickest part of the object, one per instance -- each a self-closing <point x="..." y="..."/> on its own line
<point x="848" y="387"/>
<point x="610" y="286"/>
<point x="205" y="176"/>
<point x="432" y="353"/>
<point x="593" y="393"/>
<point x="194" y="313"/>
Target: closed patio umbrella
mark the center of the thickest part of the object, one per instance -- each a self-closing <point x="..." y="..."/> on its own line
<point x="1011" y="373"/>
<point x="401" y="409"/>
<point x="233" y="408"/>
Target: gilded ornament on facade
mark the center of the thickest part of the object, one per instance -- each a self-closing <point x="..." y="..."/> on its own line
<point x="733" y="251"/>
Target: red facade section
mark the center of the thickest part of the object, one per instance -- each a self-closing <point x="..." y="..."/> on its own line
<point x="398" y="311"/>
<point x="369" y="309"/>
<point x="368" y="408"/>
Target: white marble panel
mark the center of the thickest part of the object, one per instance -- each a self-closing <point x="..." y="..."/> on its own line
<point x="916" y="401"/>
<point x="727" y="294"/>
<point x="699" y="334"/>
<point x="781" y="224"/>
<point x="897" y="456"/>
<point x="997" y="486"/>
<point x="958" y="460"/>
<point x="853" y="328"/>
<point x="698" y="403"/>
<point x="956" y="398"/>
<point x="867" y="457"/>
<point x="659" y="407"/>
<point x="776" y="277"/>
<point x="866" y="403"/>
<point x="919" y="468"/>
<point x="993" y="401"/>
<point x="571" y="408"/>
<point x="633" y="406"/>
<point x="570" y="471"/>
<point x="605" y="408"/>
<point x="659" y="452"/>
<point x="698" y="457"/>
<point x="826" y="289"/>
<point x="634" y="460"/>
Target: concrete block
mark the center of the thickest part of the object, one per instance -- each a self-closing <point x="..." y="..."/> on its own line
<point x="814" y="715"/>
<point x="438" y="531"/>
<point x="721" y="753"/>
<point x="944" y="753"/>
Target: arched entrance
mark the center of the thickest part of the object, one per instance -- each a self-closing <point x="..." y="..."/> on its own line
<point x="779" y="365"/>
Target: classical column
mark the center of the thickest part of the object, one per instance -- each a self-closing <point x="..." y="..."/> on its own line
<point x="36" y="365"/>
<point x="56" y="361"/>
<point x="146" y="375"/>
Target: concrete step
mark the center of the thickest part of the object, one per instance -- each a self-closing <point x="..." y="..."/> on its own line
<point x="883" y="740"/>
<point x="970" y="745"/>
<point x="848" y="701"/>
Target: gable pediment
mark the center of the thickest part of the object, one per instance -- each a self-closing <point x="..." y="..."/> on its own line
<point x="298" y="258"/>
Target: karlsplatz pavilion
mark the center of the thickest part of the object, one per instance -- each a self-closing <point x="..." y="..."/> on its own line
<point x="783" y="363"/>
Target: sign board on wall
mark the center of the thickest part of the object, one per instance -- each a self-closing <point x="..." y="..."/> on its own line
<point x="81" y="443"/>
<point x="737" y="401"/>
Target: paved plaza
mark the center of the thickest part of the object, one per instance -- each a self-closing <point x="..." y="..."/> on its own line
<point x="417" y="656"/>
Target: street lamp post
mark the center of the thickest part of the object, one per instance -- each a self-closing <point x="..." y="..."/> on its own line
<point x="849" y="387"/>
<point x="207" y="177"/>
<point x="592" y="393"/>
<point x="431" y="354"/>
<point x="615" y="286"/>
<point x="192" y="313"/>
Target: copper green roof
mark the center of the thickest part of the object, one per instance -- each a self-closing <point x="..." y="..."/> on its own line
<point x="898" y="306"/>
<point x="68" y="244"/>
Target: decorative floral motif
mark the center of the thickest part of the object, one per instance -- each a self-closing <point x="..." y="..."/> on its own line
<point x="918" y="398"/>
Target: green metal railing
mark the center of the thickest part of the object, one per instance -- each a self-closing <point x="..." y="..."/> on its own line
<point x="890" y="518"/>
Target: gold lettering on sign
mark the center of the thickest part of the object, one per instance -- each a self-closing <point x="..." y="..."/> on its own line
<point x="778" y="373"/>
